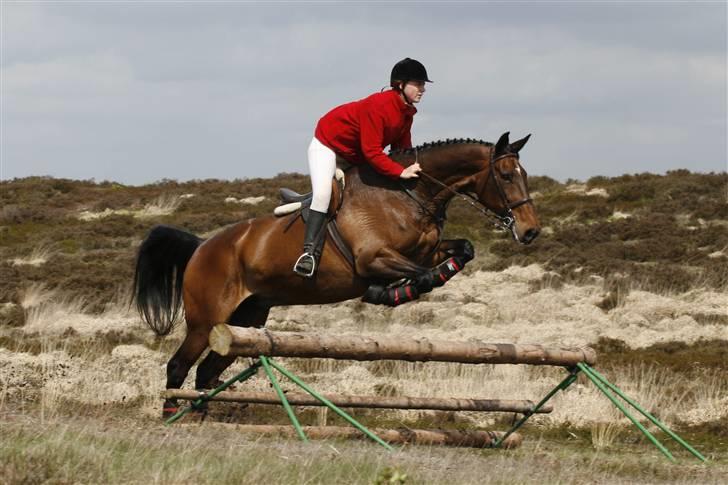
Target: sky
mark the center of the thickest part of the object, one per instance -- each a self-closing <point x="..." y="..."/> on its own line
<point x="136" y="92"/>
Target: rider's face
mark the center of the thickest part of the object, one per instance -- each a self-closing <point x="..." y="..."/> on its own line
<point x="413" y="91"/>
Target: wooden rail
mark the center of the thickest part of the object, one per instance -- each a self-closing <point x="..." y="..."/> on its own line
<point x="371" y="402"/>
<point x="250" y="342"/>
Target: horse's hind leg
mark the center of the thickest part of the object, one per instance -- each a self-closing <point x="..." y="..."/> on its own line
<point x="250" y="313"/>
<point x="179" y="366"/>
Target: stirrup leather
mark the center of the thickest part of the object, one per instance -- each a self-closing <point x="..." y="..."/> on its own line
<point x="301" y="259"/>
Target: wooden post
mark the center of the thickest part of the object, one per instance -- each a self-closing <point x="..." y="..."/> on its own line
<point x="250" y="342"/>
<point x="371" y="402"/>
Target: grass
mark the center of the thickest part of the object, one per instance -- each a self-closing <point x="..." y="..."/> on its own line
<point x="103" y="449"/>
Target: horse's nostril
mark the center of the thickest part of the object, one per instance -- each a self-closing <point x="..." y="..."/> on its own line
<point x="530" y="235"/>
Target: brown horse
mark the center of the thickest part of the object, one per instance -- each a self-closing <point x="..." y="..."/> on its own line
<point x="392" y="228"/>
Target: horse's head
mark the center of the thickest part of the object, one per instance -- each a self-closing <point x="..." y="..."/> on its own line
<point x="503" y="188"/>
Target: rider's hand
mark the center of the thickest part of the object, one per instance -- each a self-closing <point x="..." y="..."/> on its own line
<point x="411" y="171"/>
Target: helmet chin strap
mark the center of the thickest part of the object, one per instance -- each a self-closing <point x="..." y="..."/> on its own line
<point x="404" y="96"/>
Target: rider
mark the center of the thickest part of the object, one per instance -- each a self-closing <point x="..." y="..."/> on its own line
<point x="358" y="132"/>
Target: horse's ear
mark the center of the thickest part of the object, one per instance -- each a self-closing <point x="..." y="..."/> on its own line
<point x="517" y="145"/>
<point x="502" y="145"/>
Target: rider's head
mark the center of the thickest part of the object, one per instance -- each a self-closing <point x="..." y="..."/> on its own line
<point x="408" y="78"/>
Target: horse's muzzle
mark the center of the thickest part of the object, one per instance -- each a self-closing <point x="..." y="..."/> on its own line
<point x="530" y="235"/>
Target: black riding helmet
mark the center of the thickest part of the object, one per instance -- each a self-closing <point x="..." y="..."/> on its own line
<point x="408" y="70"/>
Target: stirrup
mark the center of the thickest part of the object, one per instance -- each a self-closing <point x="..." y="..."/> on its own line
<point x="302" y="272"/>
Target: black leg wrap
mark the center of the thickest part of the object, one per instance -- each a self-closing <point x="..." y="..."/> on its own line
<point x="424" y="282"/>
<point x="468" y="251"/>
<point x="380" y="295"/>
<point x="442" y="273"/>
<point x="374" y="294"/>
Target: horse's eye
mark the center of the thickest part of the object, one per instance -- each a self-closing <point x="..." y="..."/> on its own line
<point x="507" y="176"/>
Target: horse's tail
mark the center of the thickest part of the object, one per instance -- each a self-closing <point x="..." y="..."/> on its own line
<point x="160" y="269"/>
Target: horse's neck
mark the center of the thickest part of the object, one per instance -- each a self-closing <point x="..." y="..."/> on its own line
<point x="454" y="167"/>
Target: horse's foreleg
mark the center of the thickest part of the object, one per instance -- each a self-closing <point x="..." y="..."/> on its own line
<point x="389" y="265"/>
<point x="450" y="259"/>
<point x="453" y="248"/>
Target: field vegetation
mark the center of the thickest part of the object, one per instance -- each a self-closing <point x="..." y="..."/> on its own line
<point x="635" y="266"/>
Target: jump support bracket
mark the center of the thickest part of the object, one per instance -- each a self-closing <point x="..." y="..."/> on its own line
<point x="607" y="388"/>
<point x="595" y="377"/>
<point x="268" y="366"/>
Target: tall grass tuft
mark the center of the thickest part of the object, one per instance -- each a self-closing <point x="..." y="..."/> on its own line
<point x="38" y="256"/>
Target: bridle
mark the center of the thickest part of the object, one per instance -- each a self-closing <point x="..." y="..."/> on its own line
<point x="508" y="219"/>
<point x="504" y="221"/>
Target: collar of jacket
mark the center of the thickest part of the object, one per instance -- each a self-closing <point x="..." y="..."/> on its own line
<point x="401" y="105"/>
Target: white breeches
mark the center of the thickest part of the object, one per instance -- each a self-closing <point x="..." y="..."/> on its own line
<point x="322" y="166"/>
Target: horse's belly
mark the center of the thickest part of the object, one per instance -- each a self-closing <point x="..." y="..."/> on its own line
<point x="268" y="260"/>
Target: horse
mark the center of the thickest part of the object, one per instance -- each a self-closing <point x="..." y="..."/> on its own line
<point x="392" y="228"/>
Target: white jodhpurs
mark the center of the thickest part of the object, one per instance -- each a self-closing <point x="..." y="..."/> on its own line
<point x="322" y="166"/>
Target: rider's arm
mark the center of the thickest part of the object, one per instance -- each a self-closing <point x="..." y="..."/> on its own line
<point x="405" y="141"/>
<point x="371" y="125"/>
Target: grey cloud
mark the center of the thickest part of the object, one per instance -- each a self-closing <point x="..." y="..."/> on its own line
<point x="139" y="92"/>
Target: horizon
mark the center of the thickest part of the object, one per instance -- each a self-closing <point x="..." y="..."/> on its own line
<point x="299" y="174"/>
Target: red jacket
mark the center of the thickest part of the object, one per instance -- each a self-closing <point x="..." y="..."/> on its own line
<point x="359" y="131"/>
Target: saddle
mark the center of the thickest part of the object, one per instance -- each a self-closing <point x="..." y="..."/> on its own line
<point x="299" y="205"/>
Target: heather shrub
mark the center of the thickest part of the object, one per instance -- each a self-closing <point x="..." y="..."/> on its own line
<point x="671" y="238"/>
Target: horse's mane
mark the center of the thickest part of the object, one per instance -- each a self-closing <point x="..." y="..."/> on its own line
<point x="438" y="143"/>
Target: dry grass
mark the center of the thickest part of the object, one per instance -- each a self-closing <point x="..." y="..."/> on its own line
<point x="38" y="256"/>
<point x="163" y="205"/>
<point x="604" y="435"/>
<point x="484" y="312"/>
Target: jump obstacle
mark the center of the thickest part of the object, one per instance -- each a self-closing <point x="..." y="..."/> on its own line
<point x="262" y="344"/>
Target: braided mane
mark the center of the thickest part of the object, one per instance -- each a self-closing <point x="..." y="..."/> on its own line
<point x="438" y="143"/>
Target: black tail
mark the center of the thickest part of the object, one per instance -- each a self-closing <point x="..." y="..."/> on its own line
<point x="160" y="268"/>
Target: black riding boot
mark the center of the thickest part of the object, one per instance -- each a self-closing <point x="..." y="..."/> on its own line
<point x="306" y="263"/>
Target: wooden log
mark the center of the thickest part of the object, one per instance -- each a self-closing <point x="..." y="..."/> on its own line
<point x="251" y="342"/>
<point x="372" y="402"/>
<point x="470" y="439"/>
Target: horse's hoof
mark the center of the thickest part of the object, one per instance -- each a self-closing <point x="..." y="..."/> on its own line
<point x="169" y="408"/>
<point x="468" y="251"/>
<point x="168" y="412"/>
<point x="198" y="413"/>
